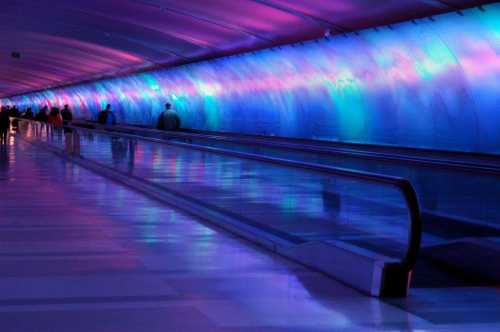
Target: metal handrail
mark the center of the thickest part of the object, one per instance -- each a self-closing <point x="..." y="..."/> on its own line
<point x="401" y="184"/>
<point x="260" y="141"/>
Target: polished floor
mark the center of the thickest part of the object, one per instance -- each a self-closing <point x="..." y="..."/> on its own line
<point x="81" y="253"/>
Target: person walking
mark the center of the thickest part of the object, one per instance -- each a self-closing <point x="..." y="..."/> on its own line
<point x="4" y="125"/>
<point x="42" y="114"/>
<point x="66" y="114"/>
<point x="55" y="118"/>
<point x="28" y="114"/>
<point x="168" y="119"/>
<point x="106" y="116"/>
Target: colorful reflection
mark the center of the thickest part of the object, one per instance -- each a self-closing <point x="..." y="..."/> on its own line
<point x="429" y="83"/>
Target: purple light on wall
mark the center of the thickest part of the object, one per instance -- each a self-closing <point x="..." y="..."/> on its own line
<point x="432" y="84"/>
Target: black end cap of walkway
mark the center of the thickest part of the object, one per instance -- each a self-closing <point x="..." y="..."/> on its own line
<point x="395" y="281"/>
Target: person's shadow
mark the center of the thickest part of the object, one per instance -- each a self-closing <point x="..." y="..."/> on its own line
<point x="118" y="150"/>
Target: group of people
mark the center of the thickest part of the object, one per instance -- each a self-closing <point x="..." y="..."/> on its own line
<point x="9" y="116"/>
<point x="56" y="116"/>
<point x="167" y="120"/>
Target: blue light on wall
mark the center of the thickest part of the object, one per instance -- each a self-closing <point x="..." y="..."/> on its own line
<point x="429" y="83"/>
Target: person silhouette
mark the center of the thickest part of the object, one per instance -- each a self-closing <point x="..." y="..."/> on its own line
<point x="106" y="116"/>
<point x="168" y="119"/>
<point x="4" y="125"/>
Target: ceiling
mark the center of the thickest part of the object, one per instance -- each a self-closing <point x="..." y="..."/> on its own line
<point x="67" y="41"/>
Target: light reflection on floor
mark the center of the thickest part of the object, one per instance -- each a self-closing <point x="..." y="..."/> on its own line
<point x="278" y="198"/>
<point x="81" y="253"/>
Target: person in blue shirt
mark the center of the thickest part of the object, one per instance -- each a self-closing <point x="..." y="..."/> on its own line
<point x="106" y="116"/>
<point x="168" y="119"/>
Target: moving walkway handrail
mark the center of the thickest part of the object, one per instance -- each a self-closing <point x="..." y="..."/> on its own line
<point x="260" y="141"/>
<point x="336" y="144"/>
<point x="401" y="184"/>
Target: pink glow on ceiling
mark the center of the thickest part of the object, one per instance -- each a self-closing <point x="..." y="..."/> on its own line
<point x="98" y="50"/>
<point x="64" y="42"/>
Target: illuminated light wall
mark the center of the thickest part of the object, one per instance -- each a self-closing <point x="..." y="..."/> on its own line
<point x="431" y="83"/>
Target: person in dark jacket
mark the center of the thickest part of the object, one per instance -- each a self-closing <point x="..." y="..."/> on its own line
<point x="4" y="125"/>
<point x="28" y="114"/>
<point x="106" y="116"/>
<point x="14" y="112"/>
<point x="66" y="115"/>
<point x="168" y="119"/>
<point x="42" y="114"/>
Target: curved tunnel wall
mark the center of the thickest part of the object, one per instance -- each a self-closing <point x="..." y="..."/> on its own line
<point x="431" y="83"/>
